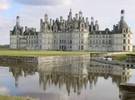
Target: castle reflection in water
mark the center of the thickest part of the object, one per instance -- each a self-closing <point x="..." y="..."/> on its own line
<point x="74" y="75"/>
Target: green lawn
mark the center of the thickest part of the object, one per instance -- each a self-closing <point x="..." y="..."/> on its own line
<point x="122" y="57"/>
<point x="7" y="52"/>
<point x="39" y="53"/>
<point x="14" y="98"/>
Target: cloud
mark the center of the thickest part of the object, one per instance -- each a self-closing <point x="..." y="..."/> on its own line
<point x="4" y="5"/>
<point x="5" y="26"/>
<point x="44" y="2"/>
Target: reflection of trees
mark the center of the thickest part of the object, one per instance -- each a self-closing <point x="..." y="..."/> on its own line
<point x="77" y="76"/>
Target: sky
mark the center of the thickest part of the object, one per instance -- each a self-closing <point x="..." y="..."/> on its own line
<point x="107" y="12"/>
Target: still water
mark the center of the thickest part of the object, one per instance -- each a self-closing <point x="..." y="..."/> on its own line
<point x="64" y="80"/>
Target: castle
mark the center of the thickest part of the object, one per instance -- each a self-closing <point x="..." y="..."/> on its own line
<point x="74" y="34"/>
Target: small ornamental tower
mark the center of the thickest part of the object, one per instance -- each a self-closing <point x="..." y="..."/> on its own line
<point x="76" y="16"/>
<point x="87" y="24"/>
<point x="46" y="18"/>
<point x="70" y="15"/>
<point x="96" y="26"/>
<point x="92" y="24"/>
<point x="17" y="21"/>
<point x="80" y="14"/>
<point x="41" y="25"/>
<point x="122" y="14"/>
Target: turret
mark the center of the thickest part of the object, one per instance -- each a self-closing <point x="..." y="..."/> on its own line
<point x="61" y="19"/>
<point x="80" y="14"/>
<point x="51" y="21"/>
<point x="18" y="21"/>
<point x="70" y="15"/>
<point x="87" y="23"/>
<point x="26" y="28"/>
<point x="92" y="24"/>
<point x="76" y="16"/>
<point x="96" y="25"/>
<point x="92" y="21"/>
<point x="41" y="25"/>
<point x="46" y="18"/>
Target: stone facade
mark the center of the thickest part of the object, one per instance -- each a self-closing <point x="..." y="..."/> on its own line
<point x="73" y="34"/>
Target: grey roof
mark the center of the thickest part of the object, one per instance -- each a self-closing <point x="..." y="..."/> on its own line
<point x="30" y="32"/>
<point x="106" y="31"/>
<point x="17" y="30"/>
<point x="123" y="24"/>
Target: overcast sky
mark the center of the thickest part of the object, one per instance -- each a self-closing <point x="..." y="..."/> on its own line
<point x="107" y="12"/>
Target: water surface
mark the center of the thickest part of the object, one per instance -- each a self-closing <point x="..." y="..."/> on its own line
<point x="64" y="80"/>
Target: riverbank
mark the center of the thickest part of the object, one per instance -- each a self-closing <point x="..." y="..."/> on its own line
<point x="15" y="98"/>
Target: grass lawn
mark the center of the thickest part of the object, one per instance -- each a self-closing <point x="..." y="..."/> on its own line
<point x="13" y="98"/>
<point x="39" y="53"/>
<point x="120" y="57"/>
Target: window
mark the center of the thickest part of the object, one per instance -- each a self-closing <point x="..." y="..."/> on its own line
<point x="124" y="48"/>
<point x="124" y="41"/>
<point x="70" y="41"/>
<point x="82" y="25"/>
<point x="64" y="41"/>
<point x="128" y="47"/>
<point x="124" y="30"/>
<point x="82" y="41"/>
<point x="127" y="30"/>
<point x="81" y="35"/>
<point x="96" y="41"/>
<point x="109" y="41"/>
<point x="103" y="42"/>
<point x="124" y="35"/>
<point x="81" y="47"/>
<point x="128" y="41"/>
<point x="90" y="41"/>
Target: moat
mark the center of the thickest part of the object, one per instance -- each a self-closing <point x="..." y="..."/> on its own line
<point x="67" y="79"/>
